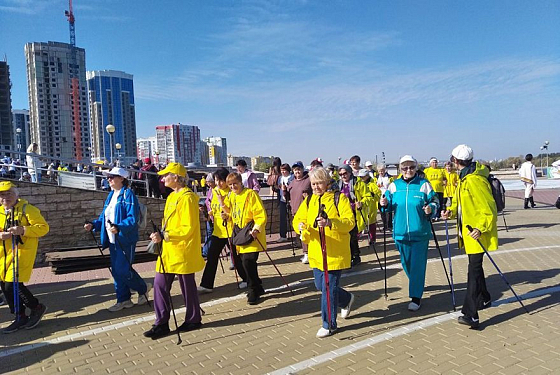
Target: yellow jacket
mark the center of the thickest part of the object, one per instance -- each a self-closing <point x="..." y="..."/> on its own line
<point x="219" y="228"/>
<point x="436" y="176"/>
<point x="245" y="207"/>
<point x="477" y="208"/>
<point x="452" y="181"/>
<point x="369" y="204"/>
<point x="35" y="227"/>
<point x="181" y="248"/>
<point x="337" y="237"/>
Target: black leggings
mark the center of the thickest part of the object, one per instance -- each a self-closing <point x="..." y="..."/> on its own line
<point x="212" y="259"/>
<point x="25" y="297"/>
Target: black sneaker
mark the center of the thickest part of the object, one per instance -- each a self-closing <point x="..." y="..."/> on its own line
<point x="473" y="323"/>
<point x="157" y="331"/>
<point x="356" y="261"/>
<point x="36" y="315"/>
<point x="186" y="327"/>
<point x="16" y="324"/>
<point x="253" y="297"/>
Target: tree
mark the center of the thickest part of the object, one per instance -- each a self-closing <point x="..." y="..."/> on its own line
<point x="263" y="167"/>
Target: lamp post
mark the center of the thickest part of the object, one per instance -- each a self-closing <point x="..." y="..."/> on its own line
<point x="157" y="159"/>
<point x="111" y="130"/>
<point x="339" y="161"/>
<point x="545" y="147"/>
<point x="118" y="146"/>
<point x="18" y="136"/>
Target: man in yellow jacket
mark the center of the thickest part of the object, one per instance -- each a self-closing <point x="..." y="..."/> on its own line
<point x="473" y="205"/>
<point x="22" y="224"/>
<point x="437" y="179"/>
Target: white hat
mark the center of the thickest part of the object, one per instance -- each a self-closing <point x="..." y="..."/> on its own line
<point x="363" y="173"/>
<point x="210" y="177"/>
<point x="368" y="163"/>
<point x="408" y="158"/>
<point x="462" y="152"/>
<point x="433" y="159"/>
<point x="116" y="171"/>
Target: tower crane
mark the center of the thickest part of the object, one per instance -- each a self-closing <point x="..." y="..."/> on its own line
<point x="74" y="73"/>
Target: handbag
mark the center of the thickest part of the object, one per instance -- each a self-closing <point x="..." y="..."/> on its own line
<point x="558" y="202"/>
<point x="242" y="236"/>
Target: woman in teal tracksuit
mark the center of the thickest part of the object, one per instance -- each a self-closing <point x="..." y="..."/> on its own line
<point x="413" y="203"/>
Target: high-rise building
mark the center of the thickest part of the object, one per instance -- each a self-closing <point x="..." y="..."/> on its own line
<point x="178" y="143"/>
<point x="21" y="129"/>
<point x="51" y="104"/>
<point x="6" y="130"/>
<point x="204" y="156"/>
<point x="232" y="160"/>
<point x="217" y="151"/>
<point x="111" y="101"/>
<point x="147" y="148"/>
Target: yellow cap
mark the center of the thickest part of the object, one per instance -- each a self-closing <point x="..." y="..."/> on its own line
<point x="6" y="185"/>
<point x="175" y="168"/>
<point x="100" y="162"/>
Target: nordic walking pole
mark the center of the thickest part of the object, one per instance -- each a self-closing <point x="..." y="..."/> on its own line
<point x="231" y="249"/>
<point x="15" y="267"/>
<point x="288" y="226"/>
<point x="443" y="263"/>
<point x="327" y="283"/>
<point x="385" y="258"/>
<point x="271" y="213"/>
<point x="277" y="270"/>
<point x="156" y="230"/>
<point x="500" y="272"/>
<point x="504" y="217"/>
<point x="450" y="266"/>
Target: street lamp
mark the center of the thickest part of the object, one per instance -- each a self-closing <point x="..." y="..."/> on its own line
<point x="339" y="161"/>
<point x="111" y="130"/>
<point x="18" y="133"/>
<point x="545" y="147"/>
<point x="118" y="146"/>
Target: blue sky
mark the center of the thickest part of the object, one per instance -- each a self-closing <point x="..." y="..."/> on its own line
<point x="302" y="79"/>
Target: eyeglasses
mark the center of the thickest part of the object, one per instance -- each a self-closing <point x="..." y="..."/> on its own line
<point x="343" y="174"/>
<point x="411" y="168"/>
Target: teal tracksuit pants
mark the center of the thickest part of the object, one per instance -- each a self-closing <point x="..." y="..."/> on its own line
<point x="414" y="257"/>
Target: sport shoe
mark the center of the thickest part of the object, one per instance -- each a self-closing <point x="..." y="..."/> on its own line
<point x="485" y="305"/>
<point x="143" y="298"/>
<point x="413" y="306"/>
<point x="304" y="259"/>
<point x="282" y="239"/>
<point x="2" y="302"/>
<point x="121" y="305"/>
<point x="157" y="331"/>
<point x="345" y="312"/>
<point x="204" y="290"/>
<point x="243" y="285"/>
<point x="253" y="297"/>
<point x="36" y="315"/>
<point x="186" y="327"/>
<point x="473" y="323"/>
<point x="356" y="261"/>
<point x="16" y="324"/>
<point x="323" y="332"/>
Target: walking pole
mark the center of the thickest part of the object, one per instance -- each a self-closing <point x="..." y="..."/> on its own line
<point x="497" y="269"/>
<point x="385" y="257"/>
<point x="277" y="270"/>
<point x="15" y="268"/>
<point x="156" y="229"/>
<point x="231" y="250"/>
<point x="450" y="266"/>
<point x="271" y="213"/>
<point x="504" y="217"/>
<point x="442" y="262"/>
<point x="326" y="272"/>
<point x="132" y="270"/>
<point x="289" y="227"/>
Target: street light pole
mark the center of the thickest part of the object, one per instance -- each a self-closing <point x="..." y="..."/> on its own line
<point x="18" y="133"/>
<point x="118" y="146"/>
<point x="111" y="130"/>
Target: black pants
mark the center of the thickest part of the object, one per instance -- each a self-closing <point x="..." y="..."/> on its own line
<point x="441" y="204"/>
<point x="249" y="261"/>
<point x="25" y="297"/>
<point x="477" y="293"/>
<point x="354" y="246"/>
<point x="212" y="258"/>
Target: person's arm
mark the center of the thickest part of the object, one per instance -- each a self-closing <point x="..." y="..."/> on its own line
<point x="131" y="211"/>
<point x="253" y="182"/>
<point x="36" y="227"/>
<point x="255" y="205"/>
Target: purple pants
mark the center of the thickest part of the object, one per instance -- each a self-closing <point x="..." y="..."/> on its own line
<point x="162" y="297"/>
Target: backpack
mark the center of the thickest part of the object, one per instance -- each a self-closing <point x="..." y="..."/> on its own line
<point x="142" y="214"/>
<point x="336" y="200"/>
<point x="498" y="192"/>
<point x="272" y="181"/>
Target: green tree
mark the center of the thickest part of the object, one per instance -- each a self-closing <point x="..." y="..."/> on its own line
<point x="263" y="167"/>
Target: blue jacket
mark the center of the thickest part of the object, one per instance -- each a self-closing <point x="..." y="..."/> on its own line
<point x="126" y="218"/>
<point x="407" y="200"/>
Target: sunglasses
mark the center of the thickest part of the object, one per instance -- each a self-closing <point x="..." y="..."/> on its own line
<point x="343" y="174"/>
<point x="411" y="168"/>
<point x="111" y="177"/>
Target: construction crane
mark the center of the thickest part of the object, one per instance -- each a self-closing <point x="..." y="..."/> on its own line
<point x="74" y="73"/>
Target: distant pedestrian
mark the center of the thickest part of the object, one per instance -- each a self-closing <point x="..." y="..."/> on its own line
<point x="298" y="190"/>
<point x="152" y="178"/>
<point x="528" y="174"/>
<point x="452" y="180"/>
<point x="437" y="179"/>
<point x="33" y="162"/>
<point x="248" y="177"/>
<point x="383" y="180"/>
<point x="286" y="177"/>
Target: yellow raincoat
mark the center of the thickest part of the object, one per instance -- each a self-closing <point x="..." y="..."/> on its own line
<point x="369" y="203"/>
<point x="181" y="249"/>
<point x="337" y="237"/>
<point x="474" y="205"/>
<point x="362" y="195"/>
<point x="35" y="227"/>
<point x="245" y="207"/>
<point x="452" y="181"/>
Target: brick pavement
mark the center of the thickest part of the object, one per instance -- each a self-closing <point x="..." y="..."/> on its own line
<point x="380" y="336"/>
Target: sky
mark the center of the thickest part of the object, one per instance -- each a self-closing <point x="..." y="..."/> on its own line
<point x="302" y="79"/>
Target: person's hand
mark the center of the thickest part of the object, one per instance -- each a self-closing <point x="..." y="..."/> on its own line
<point x="17" y="231"/>
<point x="302" y="226"/>
<point x="445" y="215"/>
<point x="475" y="234"/>
<point x="255" y="233"/>
<point x="5" y="236"/>
<point x="114" y="229"/>
<point x="427" y="209"/>
<point x="224" y="215"/>
<point x="155" y="237"/>
<point x="211" y="215"/>
<point x="284" y="187"/>
<point x="383" y="201"/>
<point x="322" y="222"/>
<point x="358" y="205"/>
<point x="305" y="195"/>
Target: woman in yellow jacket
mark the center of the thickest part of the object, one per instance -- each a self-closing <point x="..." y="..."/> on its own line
<point x="371" y="200"/>
<point x="245" y="206"/>
<point x="452" y="181"/>
<point x="473" y="205"/>
<point x="180" y="253"/>
<point x="337" y="234"/>
<point x="30" y="226"/>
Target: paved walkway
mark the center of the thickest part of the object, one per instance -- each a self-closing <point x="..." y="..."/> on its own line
<point x="78" y="335"/>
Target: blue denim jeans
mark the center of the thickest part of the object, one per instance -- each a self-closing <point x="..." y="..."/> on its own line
<point x="208" y="239"/>
<point x="338" y="295"/>
<point x="126" y="278"/>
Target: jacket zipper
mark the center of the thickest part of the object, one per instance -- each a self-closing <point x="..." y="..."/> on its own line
<point x="406" y="208"/>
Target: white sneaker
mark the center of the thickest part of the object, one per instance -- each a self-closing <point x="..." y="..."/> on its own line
<point x="282" y="239"/>
<point x="304" y="259"/>
<point x="143" y="298"/>
<point x="345" y="312"/>
<point x="413" y="306"/>
<point x="243" y="285"/>
<point x="323" y="332"/>
<point x="121" y="305"/>
<point x="203" y="290"/>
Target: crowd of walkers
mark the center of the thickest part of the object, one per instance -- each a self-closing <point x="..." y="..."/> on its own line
<point x="327" y="207"/>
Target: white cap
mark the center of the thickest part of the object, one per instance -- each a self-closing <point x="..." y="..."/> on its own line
<point x="433" y="159"/>
<point x="408" y="158"/>
<point x="368" y="163"/>
<point x="116" y="171"/>
<point x="462" y="152"/>
<point x="210" y="177"/>
<point x="363" y="173"/>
